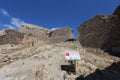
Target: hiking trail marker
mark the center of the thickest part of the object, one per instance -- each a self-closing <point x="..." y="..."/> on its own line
<point x="72" y="55"/>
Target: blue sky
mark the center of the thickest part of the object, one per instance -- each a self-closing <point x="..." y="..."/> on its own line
<point x="52" y="13"/>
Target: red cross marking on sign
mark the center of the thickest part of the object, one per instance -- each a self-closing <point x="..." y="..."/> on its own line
<point x="67" y="54"/>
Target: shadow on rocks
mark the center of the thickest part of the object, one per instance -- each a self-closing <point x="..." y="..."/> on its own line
<point x="110" y="73"/>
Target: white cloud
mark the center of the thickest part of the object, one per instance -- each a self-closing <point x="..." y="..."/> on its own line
<point x="4" y="12"/>
<point x="54" y="28"/>
<point x="17" y="22"/>
<point x="8" y="26"/>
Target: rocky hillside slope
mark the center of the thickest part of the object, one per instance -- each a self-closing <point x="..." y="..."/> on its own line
<point x="44" y="62"/>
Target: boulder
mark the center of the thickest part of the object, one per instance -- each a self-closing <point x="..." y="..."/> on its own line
<point x="61" y="35"/>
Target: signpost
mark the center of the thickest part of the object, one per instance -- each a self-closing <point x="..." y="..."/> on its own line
<point x="72" y="57"/>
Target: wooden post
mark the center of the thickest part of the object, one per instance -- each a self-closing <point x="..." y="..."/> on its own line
<point x="75" y="65"/>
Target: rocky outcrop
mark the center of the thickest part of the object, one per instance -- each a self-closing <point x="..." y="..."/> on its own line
<point x="32" y="30"/>
<point x="95" y="32"/>
<point x="35" y="35"/>
<point x="117" y="11"/>
<point x="10" y="37"/>
<point x="46" y="35"/>
<point x="60" y="35"/>
<point x="102" y="31"/>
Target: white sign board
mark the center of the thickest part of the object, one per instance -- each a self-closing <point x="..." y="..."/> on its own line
<point x="72" y="55"/>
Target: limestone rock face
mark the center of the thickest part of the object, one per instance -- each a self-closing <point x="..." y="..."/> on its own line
<point x="102" y="31"/>
<point x="60" y="35"/>
<point x="10" y="37"/>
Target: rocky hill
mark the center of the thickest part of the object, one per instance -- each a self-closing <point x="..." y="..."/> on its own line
<point x="35" y="35"/>
<point x="45" y="35"/>
<point x="44" y="57"/>
<point x="102" y="32"/>
<point x="10" y="37"/>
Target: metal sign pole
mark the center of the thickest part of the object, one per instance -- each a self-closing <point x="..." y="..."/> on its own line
<point x="75" y="65"/>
